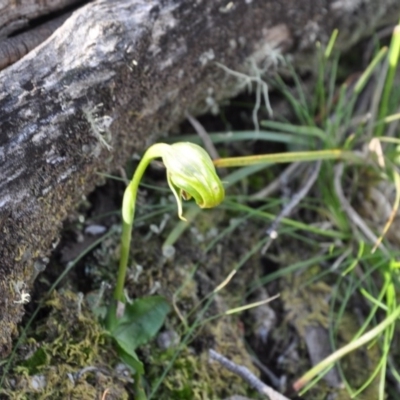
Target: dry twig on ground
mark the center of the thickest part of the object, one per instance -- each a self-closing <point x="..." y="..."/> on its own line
<point x="247" y="375"/>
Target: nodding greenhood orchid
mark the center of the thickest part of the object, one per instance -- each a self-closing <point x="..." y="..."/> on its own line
<point x="191" y="173"/>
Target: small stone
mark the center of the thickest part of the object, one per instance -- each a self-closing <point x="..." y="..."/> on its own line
<point x="38" y="382"/>
<point x="167" y="339"/>
<point x="95" y="230"/>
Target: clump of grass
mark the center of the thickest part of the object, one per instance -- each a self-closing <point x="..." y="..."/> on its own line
<point x="348" y="132"/>
<point x="369" y="253"/>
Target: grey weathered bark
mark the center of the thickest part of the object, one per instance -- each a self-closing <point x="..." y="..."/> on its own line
<point x="14" y="48"/>
<point x="16" y="15"/>
<point x="116" y="76"/>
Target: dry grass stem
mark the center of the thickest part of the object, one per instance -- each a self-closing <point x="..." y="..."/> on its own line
<point x="289" y="173"/>
<point x="293" y="203"/>
<point x="351" y="213"/>
<point x="247" y="375"/>
<point x="271" y="376"/>
<point x="208" y="144"/>
<point x="376" y="98"/>
<point x="105" y="394"/>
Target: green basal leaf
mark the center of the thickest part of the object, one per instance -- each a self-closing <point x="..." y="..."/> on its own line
<point x="130" y="358"/>
<point x="140" y="323"/>
<point x="142" y="320"/>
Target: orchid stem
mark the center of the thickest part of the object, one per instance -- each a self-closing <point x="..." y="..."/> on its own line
<point x="128" y="215"/>
<point x="127" y="230"/>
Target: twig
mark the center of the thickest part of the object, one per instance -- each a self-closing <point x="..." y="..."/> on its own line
<point x="287" y="210"/>
<point x="123" y="175"/>
<point x="271" y="376"/>
<point x="198" y="127"/>
<point x="351" y="213"/>
<point x="290" y="172"/>
<point x="247" y="375"/>
<point x="338" y="262"/>
<point x="205" y="137"/>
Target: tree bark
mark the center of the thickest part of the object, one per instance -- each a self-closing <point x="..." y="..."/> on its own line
<point x="115" y="77"/>
<point x="17" y="15"/>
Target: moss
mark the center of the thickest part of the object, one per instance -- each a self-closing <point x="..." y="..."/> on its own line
<point x="66" y="357"/>
<point x="193" y="377"/>
<point x="306" y="303"/>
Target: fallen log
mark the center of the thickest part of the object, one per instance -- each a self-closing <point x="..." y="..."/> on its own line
<point x="115" y="77"/>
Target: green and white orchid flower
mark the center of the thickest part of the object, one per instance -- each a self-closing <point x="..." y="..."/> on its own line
<point x="191" y="174"/>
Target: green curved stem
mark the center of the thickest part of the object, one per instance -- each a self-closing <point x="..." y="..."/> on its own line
<point x="128" y="215"/>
